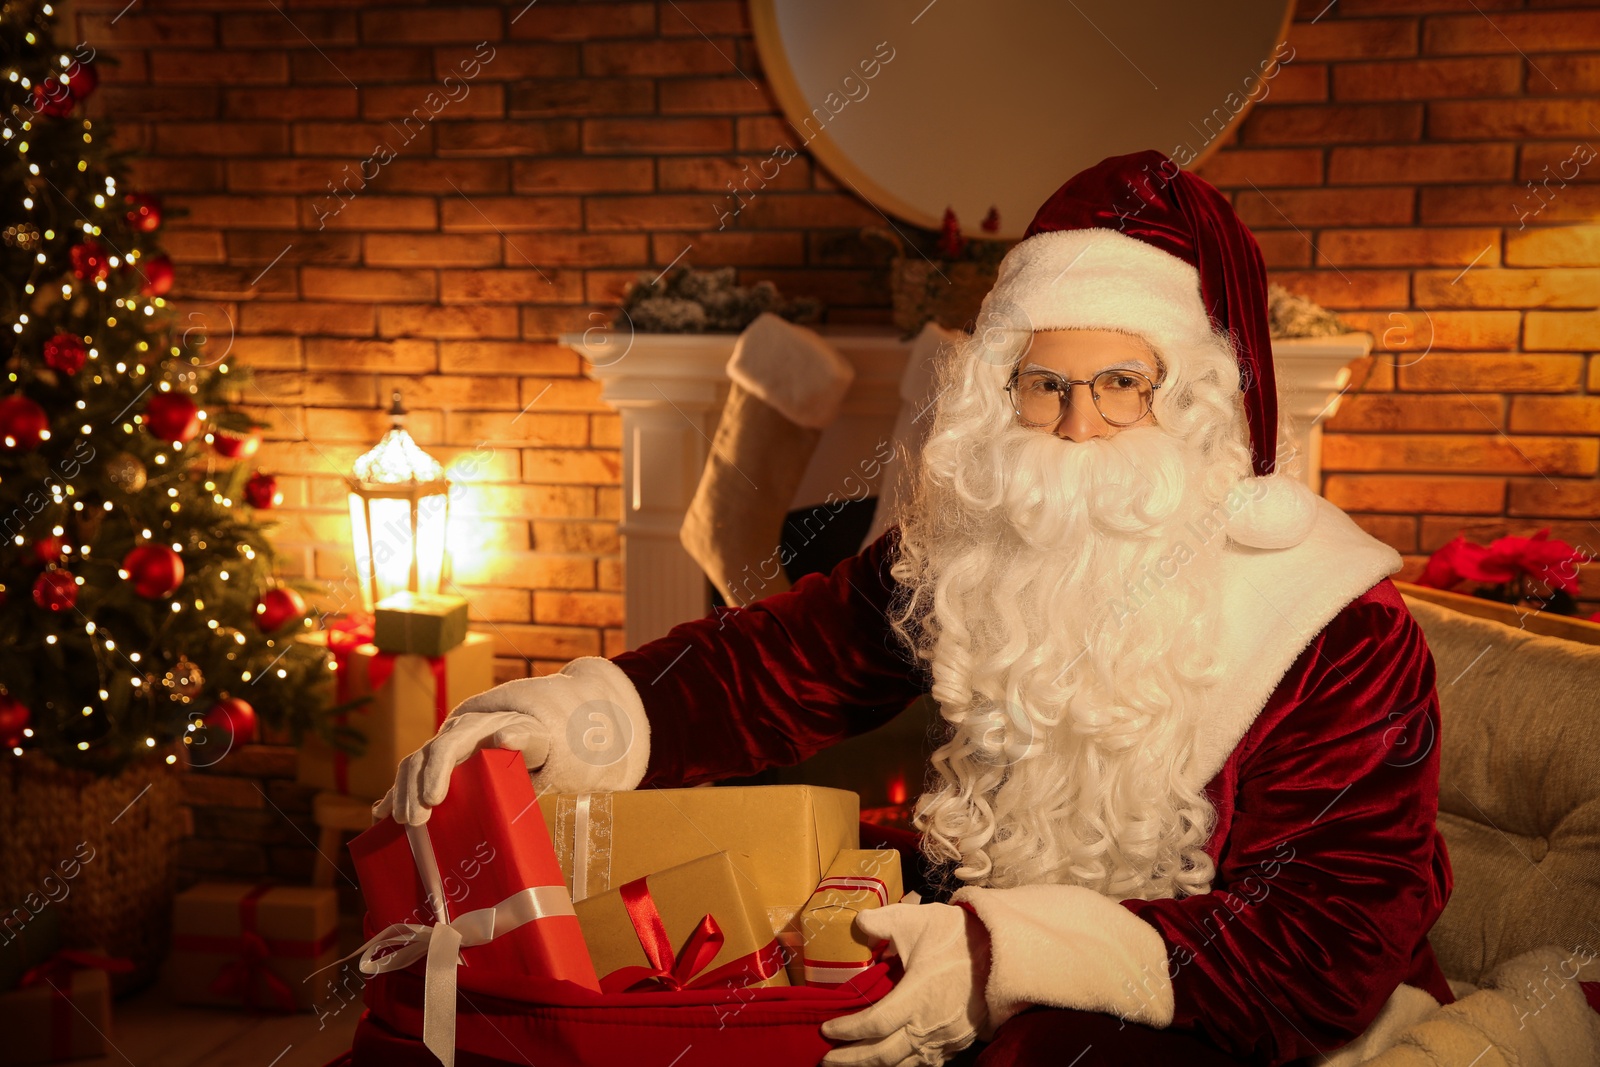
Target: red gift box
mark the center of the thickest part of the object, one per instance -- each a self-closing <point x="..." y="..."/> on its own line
<point x="477" y="886"/>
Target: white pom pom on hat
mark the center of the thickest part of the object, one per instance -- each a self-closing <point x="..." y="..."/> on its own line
<point x="1279" y="513"/>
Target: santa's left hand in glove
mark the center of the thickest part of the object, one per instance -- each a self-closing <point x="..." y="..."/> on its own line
<point x="937" y="1007"/>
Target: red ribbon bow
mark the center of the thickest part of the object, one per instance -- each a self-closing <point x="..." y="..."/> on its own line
<point x="344" y="637"/>
<point x="239" y="980"/>
<point x="677" y="973"/>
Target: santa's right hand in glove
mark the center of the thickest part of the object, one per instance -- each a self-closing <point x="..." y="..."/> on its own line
<point x="582" y="729"/>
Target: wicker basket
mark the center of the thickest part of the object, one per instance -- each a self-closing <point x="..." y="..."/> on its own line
<point x="117" y="897"/>
<point x="948" y="293"/>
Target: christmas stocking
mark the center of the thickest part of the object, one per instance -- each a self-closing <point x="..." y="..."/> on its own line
<point x="787" y="385"/>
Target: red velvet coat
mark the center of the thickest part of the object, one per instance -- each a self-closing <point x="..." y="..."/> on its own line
<point x="1330" y="870"/>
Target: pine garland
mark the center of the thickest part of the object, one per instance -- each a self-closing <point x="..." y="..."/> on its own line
<point x="694" y="301"/>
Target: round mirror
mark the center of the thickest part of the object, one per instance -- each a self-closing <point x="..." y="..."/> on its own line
<point x="927" y="104"/>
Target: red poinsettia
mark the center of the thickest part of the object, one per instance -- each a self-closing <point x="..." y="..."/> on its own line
<point x="1506" y="559"/>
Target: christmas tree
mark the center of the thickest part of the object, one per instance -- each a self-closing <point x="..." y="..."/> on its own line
<point x="137" y="602"/>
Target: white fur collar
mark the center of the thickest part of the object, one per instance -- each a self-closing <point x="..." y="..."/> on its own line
<point x="1274" y="602"/>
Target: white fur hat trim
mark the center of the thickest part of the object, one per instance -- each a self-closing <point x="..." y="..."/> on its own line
<point x="1098" y="279"/>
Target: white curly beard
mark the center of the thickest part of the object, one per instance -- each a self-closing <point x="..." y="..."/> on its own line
<point x="1065" y="593"/>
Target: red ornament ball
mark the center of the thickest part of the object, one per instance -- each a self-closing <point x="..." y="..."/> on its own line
<point x="55" y="590"/>
<point x="46" y="550"/>
<point x="234" y="717"/>
<point x="262" y="491"/>
<point x="232" y="445"/>
<point x="57" y="95"/>
<point x="66" y="353"/>
<point x="144" y="212"/>
<point x="53" y="98"/>
<point x="14" y="718"/>
<point x="172" y="416"/>
<point x="155" y="571"/>
<point x="91" y="262"/>
<point x="278" y="607"/>
<point x="23" y="424"/>
<point x="158" y="275"/>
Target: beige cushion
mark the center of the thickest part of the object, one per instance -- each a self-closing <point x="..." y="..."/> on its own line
<point x="1519" y="790"/>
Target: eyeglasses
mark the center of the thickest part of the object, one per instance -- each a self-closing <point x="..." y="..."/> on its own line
<point x="1040" y="397"/>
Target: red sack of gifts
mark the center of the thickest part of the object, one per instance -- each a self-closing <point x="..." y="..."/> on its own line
<point x="535" y="997"/>
<point x="476" y="889"/>
<point x="511" y="1022"/>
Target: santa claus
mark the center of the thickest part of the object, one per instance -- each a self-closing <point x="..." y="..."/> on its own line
<point x="1184" y="805"/>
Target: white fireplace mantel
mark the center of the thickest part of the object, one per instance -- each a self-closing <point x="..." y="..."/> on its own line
<point x="670" y="388"/>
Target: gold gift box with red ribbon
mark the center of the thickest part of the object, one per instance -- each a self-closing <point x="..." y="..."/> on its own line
<point x="687" y="927"/>
<point x="857" y="879"/>
<point x="410" y="697"/>
<point x="60" y="1010"/>
<point x="253" y="945"/>
<point x="780" y="839"/>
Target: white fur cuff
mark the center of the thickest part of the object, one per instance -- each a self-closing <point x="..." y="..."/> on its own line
<point x="791" y="369"/>
<point x="600" y="739"/>
<point x="1069" y="947"/>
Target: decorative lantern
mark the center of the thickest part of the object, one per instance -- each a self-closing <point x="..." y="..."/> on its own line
<point x="399" y="511"/>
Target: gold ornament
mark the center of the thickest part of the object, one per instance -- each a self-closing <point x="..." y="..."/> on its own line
<point x="183" y="681"/>
<point x="126" y="472"/>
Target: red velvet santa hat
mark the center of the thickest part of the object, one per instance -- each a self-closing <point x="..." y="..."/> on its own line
<point x="1136" y="243"/>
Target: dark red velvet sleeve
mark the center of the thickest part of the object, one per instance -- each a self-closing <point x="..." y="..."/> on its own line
<point x="767" y="685"/>
<point x="1331" y="872"/>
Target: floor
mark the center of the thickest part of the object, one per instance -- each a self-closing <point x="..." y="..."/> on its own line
<point x="148" y="1030"/>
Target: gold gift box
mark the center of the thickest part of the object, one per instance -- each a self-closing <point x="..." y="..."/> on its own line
<point x="683" y="895"/>
<point x="779" y="838"/>
<point x="299" y="928"/>
<point x="857" y="879"/>
<point x="43" y="1026"/>
<point x="401" y="717"/>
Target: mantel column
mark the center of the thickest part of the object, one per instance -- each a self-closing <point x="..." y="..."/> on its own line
<point x="669" y="397"/>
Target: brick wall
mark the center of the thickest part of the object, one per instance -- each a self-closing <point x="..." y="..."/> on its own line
<point x="1405" y="168"/>
<point x="1431" y="170"/>
<point x="1412" y="167"/>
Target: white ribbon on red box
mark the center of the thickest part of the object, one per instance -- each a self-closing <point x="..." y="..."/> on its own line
<point x="442" y="941"/>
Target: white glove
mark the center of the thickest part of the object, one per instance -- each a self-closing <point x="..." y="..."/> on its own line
<point x="582" y="729"/>
<point x="936" y="1008"/>
<point x="424" y="776"/>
